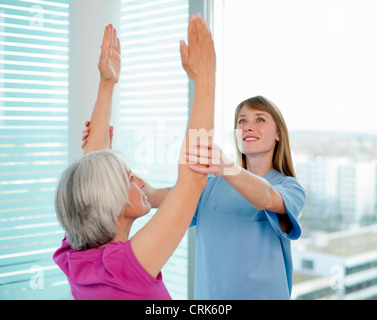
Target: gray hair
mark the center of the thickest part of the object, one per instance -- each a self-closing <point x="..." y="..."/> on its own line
<point x="89" y="198"/>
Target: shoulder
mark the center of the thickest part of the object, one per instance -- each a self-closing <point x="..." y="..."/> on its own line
<point x="275" y="178"/>
<point x="290" y="189"/>
<point x="119" y="258"/>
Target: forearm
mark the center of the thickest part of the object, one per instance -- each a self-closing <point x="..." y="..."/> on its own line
<point x="257" y="190"/>
<point x="202" y="110"/>
<point x="155" y="195"/>
<point x="99" y="138"/>
<point x="201" y="121"/>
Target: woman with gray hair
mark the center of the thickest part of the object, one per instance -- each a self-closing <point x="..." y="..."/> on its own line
<point x="98" y="197"/>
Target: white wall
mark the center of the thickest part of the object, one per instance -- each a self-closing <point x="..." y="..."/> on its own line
<point x="87" y="22"/>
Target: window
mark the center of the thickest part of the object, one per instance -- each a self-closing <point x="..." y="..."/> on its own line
<point x="33" y="145"/>
<point x="307" y="264"/>
<point x="154" y="105"/>
<point x="34" y="129"/>
<point x="317" y="61"/>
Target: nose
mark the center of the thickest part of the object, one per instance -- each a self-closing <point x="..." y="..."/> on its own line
<point x="140" y="182"/>
<point x="249" y="128"/>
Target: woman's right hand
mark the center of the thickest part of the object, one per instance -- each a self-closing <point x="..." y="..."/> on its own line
<point x="208" y="158"/>
<point x="85" y="135"/>
<point x="110" y="60"/>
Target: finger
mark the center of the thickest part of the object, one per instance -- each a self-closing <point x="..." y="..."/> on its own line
<point x="201" y="28"/>
<point x="202" y="170"/>
<point x="208" y="38"/>
<point x="103" y="54"/>
<point x="184" y="53"/>
<point x="105" y="39"/>
<point x="87" y="123"/>
<point x="84" y="136"/>
<point x="115" y="42"/>
<point x="205" y="143"/>
<point x="191" y="33"/>
<point x="110" y="36"/>
<point x="118" y="47"/>
<point x="203" y="157"/>
<point x="83" y="144"/>
<point x="204" y="35"/>
<point x="202" y="151"/>
<point x="191" y="159"/>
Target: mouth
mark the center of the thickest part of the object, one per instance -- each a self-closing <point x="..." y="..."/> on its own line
<point x="250" y="138"/>
<point x="144" y="196"/>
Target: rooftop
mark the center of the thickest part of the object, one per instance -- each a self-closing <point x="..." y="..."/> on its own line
<point x="344" y="244"/>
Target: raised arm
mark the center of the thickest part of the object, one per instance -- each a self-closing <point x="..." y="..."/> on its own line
<point x="109" y="67"/>
<point x="157" y="240"/>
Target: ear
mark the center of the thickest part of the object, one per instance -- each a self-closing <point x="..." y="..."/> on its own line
<point x="277" y="138"/>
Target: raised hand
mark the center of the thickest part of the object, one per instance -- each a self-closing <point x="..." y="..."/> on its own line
<point x="199" y="57"/>
<point x="110" y="60"/>
<point x="208" y="158"/>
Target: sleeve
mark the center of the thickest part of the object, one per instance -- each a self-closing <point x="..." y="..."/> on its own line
<point x="294" y="199"/>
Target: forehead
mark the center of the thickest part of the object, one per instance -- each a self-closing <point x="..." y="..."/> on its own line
<point x="247" y="111"/>
<point x="128" y="170"/>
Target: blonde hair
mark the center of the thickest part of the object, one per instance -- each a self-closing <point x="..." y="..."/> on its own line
<point x="89" y="198"/>
<point x="282" y="158"/>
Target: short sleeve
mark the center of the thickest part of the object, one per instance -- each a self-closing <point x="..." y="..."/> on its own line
<point x="294" y="197"/>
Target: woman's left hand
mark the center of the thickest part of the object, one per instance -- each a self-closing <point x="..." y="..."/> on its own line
<point x="199" y="57"/>
<point x="210" y="159"/>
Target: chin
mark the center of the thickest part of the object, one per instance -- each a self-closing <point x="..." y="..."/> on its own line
<point x="148" y="208"/>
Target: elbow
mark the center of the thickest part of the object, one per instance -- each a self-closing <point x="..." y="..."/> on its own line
<point x="264" y="202"/>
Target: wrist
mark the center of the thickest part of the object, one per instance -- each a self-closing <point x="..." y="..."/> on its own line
<point x="106" y="83"/>
<point x="232" y="171"/>
<point x="205" y="82"/>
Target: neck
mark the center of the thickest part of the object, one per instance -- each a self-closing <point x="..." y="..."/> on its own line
<point x="259" y="165"/>
<point x="124" y="227"/>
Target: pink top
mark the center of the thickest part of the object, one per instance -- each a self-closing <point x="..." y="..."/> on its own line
<point x="111" y="272"/>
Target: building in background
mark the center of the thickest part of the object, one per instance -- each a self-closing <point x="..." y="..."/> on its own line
<point x="341" y="193"/>
<point x="336" y="257"/>
<point x="341" y="265"/>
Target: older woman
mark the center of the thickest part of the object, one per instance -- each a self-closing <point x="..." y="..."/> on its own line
<point x="98" y="197"/>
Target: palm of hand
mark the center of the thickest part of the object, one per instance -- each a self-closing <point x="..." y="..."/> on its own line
<point x="110" y="59"/>
<point x="110" y="66"/>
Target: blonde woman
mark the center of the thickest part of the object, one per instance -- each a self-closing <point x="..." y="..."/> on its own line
<point x="247" y="214"/>
<point x="98" y="197"/>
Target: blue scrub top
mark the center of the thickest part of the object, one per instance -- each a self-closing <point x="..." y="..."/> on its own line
<point x="241" y="252"/>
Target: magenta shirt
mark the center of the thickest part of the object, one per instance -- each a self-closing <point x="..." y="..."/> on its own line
<point x="111" y="272"/>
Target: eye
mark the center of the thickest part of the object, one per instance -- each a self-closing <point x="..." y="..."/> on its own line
<point x="241" y="121"/>
<point x="261" y="120"/>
